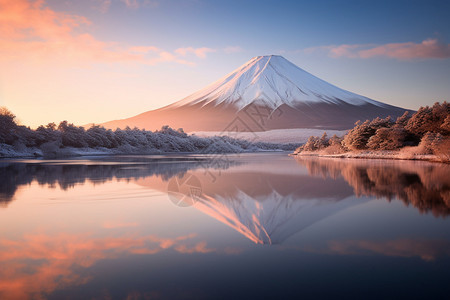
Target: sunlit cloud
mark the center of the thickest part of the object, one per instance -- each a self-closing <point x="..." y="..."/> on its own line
<point x="102" y="5"/>
<point x="144" y="49"/>
<point x="135" y="4"/>
<point x="31" y="31"/>
<point x="429" y="48"/>
<point x="131" y="3"/>
<point x="199" y="52"/>
<point x="115" y="224"/>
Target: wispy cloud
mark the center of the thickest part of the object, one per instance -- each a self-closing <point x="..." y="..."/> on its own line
<point x="144" y="49"/>
<point x="135" y="4"/>
<point x="429" y="48"/>
<point x="115" y="224"/>
<point x="101" y="5"/>
<point x="32" y="31"/>
<point x="199" y="52"/>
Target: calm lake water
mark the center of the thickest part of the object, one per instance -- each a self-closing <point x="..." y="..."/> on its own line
<point x="246" y="226"/>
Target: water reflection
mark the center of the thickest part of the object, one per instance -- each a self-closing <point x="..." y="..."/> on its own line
<point x="265" y="201"/>
<point x="269" y="202"/>
<point x="138" y="248"/>
<point x="426" y="249"/>
<point x="68" y="173"/>
<point x="38" y="264"/>
<point x="425" y="186"/>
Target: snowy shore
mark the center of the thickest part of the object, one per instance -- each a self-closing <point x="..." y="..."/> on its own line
<point x="404" y="154"/>
<point x="8" y="151"/>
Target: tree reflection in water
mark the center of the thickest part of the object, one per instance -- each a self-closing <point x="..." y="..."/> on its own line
<point x="67" y="173"/>
<point x="425" y="186"/>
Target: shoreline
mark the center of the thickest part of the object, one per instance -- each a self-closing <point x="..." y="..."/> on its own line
<point x="388" y="155"/>
<point x="34" y="153"/>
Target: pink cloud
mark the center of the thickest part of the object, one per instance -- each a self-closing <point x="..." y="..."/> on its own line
<point x="114" y="225"/>
<point x="135" y="4"/>
<point x="131" y="3"/>
<point x="102" y="5"/>
<point x="343" y="50"/>
<point x="31" y="31"/>
<point x="144" y="49"/>
<point x="430" y="48"/>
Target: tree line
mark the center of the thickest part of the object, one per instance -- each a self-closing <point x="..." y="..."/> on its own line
<point x="428" y="130"/>
<point x="52" y="137"/>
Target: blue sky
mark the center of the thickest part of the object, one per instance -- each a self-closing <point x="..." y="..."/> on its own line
<point x="98" y="60"/>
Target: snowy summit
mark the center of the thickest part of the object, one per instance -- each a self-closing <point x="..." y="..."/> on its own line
<point x="266" y="93"/>
<point x="272" y="80"/>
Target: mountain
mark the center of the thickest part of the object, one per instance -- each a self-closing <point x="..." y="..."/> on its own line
<point x="266" y="93"/>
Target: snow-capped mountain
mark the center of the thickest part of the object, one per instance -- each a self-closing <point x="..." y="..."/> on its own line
<point x="272" y="80"/>
<point x="267" y="92"/>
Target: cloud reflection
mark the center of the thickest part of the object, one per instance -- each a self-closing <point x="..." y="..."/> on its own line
<point x="39" y="264"/>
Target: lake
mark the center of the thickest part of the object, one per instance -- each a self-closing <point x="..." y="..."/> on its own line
<point x="246" y="226"/>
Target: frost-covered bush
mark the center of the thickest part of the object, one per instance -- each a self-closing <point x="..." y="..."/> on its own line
<point x="387" y="139"/>
<point x="334" y="145"/>
<point x="424" y="132"/>
<point x="72" y="135"/>
<point x="429" y="142"/>
<point x="58" y="140"/>
<point x="50" y="149"/>
<point x="430" y="119"/>
<point x="7" y="126"/>
<point x="358" y="137"/>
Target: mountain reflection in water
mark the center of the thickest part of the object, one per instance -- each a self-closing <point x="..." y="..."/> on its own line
<point x="59" y="239"/>
<point x="268" y="203"/>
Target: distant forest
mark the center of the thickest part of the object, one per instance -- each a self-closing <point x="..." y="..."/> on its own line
<point x="425" y="132"/>
<point x="54" y="140"/>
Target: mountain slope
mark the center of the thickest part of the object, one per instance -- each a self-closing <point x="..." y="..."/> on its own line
<point x="266" y="93"/>
<point x="273" y="81"/>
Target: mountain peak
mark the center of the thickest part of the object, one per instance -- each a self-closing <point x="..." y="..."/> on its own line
<point x="267" y="92"/>
<point x="271" y="81"/>
<point x="267" y="56"/>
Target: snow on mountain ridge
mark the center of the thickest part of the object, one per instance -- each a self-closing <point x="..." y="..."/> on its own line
<point x="272" y="81"/>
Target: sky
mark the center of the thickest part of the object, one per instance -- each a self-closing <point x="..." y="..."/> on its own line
<point x="91" y="61"/>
